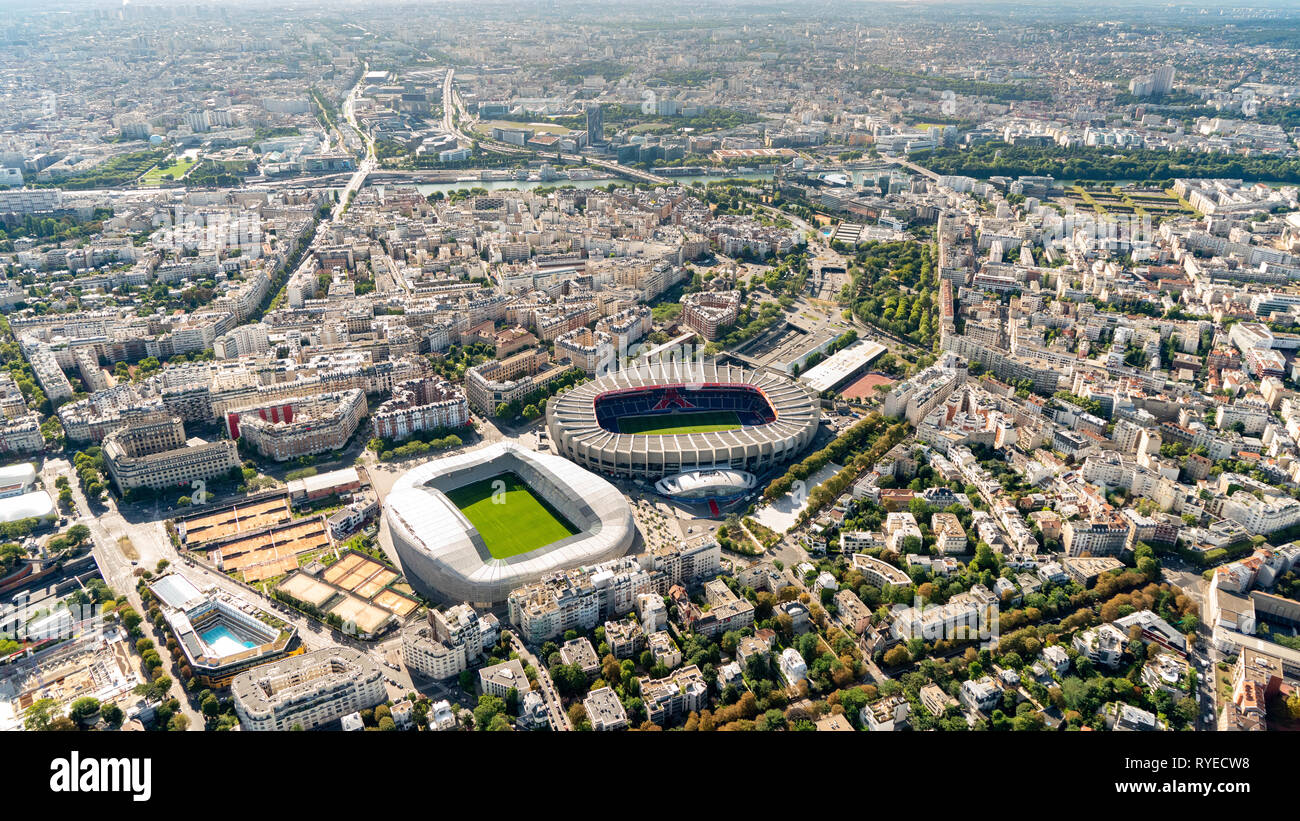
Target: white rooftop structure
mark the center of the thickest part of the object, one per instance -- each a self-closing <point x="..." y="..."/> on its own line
<point x="34" y="505"/>
<point x="352" y="722"/>
<point x="829" y="374"/>
<point x="176" y="591"/>
<point x="15" y="479"/>
<point x="444" y="555"/>
<point x="707" y="484"/>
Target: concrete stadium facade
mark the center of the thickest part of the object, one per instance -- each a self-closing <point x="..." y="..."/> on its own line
<point x="793" y="415"/>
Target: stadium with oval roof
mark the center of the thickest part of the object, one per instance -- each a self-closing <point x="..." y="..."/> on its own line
<point x="474" y="526"/>
<point x="662" y="418"/>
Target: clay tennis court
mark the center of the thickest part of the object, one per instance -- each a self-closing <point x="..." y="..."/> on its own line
<point x="361" y="575"/>
<point x="865" y="388"/>
<point x="210" y="527"/>
<point x="304" y="588"/>
<point x="274" y="553"/>
<point x="366" y="616"/>
<point x="361" y="583"/>
<point x="342" y="567"/>
<point x="374" y="584"/>
<point x="391" y="601"/>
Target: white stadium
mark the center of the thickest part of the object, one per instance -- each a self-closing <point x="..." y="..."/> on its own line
<point x="446" y="558"/>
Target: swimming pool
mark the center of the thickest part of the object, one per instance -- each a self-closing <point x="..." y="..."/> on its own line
<point x="224" y="641"/>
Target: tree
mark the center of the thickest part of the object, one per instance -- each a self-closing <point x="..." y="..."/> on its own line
<point x="1293" y="705"/>
<point x="897" y="656"/>
<point x="512" y="701"/>
<point x="853" y="700"/>
<point x="84" y="709"/>
<point x="771" y="721"/>
<point x="489" y="707"/>
<point x="40" y="714"/>
<point x="578" y="716"/>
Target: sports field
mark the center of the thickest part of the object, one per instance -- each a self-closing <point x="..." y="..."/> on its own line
<point x="520" y="522"/>
<point x="687" y="422"/>
<point x="177" y="170"/>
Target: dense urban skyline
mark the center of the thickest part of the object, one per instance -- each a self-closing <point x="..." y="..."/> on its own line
<point x="773" y="366"/>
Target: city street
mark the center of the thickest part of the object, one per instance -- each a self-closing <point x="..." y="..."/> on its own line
<point x="554" y="708"/>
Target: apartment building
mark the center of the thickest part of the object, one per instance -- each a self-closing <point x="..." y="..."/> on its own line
<point x="448" y="642"/>
<point x="580" y="652"/>
<point x="1102" y="645"/>
<point x="1097" y="537"/>
<point x="309" y="690"/>
<point x="674" y="696"/>
<point x="708" y="312"/>
<point x="302" y="427"/>
<point x="581" y="598"/>
<point x="424" y="404"/>
<point x="949" y="535"/>
<point x="625" y="638"/>
<point x="153" y="452"/>
<point x="593" y="351"/>
<point x="499" y="679"/>
<point x="605" y="711"/>
<point x="1261" y="516"/>
<point x="505" y="380"/>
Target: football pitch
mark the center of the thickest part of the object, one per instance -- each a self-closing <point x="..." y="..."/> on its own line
<point x="519" y="523"/>
<point x="686" y="422"/>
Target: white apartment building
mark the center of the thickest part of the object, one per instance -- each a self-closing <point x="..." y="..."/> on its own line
<point x="309" y="690"/>
<point x="793" y="668"/>
<point x="1261" y="516"/>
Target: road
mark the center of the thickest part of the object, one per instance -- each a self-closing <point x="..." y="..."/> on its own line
<point x="368" y="163"/>
<point x="1205" y="658"/>
<point x="911" y="166"/>
<point x="554" y="707"/>
<point x="451" y="103"/>
<point x="117" y="569"/>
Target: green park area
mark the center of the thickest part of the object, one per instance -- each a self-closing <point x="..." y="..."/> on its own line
<point x="163" y="173"/>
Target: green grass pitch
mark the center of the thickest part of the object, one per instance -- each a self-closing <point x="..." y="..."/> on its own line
<point x="688" y="422"/>
<point x="520" y="523"/>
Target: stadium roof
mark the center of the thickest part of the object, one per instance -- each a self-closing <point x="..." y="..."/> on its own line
<point x="21" y="475"/>
<point x="34" y="505"/>
<point x="439" y="546"/>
